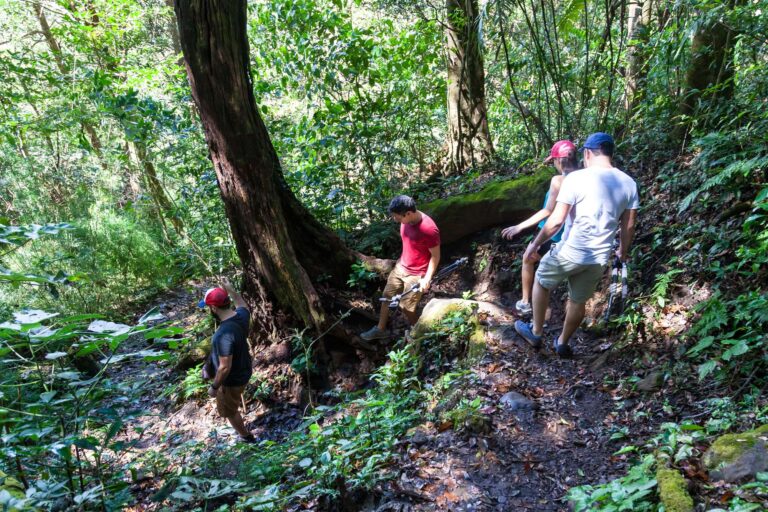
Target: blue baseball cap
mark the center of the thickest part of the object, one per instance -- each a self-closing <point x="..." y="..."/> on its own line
<point x="596" y="140"/>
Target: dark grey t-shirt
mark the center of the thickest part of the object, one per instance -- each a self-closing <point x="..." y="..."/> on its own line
<point x="231" y="339"/>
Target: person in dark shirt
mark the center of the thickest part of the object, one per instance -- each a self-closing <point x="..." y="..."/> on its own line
<point x="229" y="354"/>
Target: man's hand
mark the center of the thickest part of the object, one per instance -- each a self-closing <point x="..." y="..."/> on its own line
<point x="424" y="284"/>
<point x="236" y="297"/>
<point x="212" y="391"/>
<point x="622" y="255"/>
<point x="532" y="253"/>
<point x="510" y="232"/>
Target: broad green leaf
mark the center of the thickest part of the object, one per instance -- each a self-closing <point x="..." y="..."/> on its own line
<point x="741" y="347"/>
<point x="707" y="368"/>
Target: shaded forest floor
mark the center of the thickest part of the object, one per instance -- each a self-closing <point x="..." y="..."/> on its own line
<point x="546" y="424"/>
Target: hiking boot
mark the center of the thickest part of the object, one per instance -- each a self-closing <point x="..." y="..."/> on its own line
<point x="524" y="308"/>
<point x="525" y="329"/>
<point x="374" y="333"/>
<point x="250" y="439"/>
<point x="563" y="350"/>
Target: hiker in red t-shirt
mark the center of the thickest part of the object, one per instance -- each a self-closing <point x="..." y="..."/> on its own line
<point x="417" y="263"/>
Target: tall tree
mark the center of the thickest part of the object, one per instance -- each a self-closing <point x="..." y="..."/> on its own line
<point x="638" y="26"/>
<point x="281" y="246"/>
<point x="469" y="139"/>
<point x="709" y="76"/>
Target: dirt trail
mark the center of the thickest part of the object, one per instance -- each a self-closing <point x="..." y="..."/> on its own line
<point x="555" y="433"/>
<point x="527" y="460"/>
<point x="531" y="455"/>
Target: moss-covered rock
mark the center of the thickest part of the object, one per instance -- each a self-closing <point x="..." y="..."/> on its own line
<point x="673" y="490"/>
<point x="735" y="456"/>
<point x="438" y="309"/>
<point x="498" y="203"/>
<point x="15" y="492"/>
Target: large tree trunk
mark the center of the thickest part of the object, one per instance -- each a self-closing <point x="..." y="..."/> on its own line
<point x="638" y="25"/>
<point x="280" y="244"/>
<point x="469" y="140"/>
<point x="711" y="63"/>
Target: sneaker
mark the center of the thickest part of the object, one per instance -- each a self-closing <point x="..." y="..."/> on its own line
<point x="374" y="333"/>
<point x="562" y="349"/>
<point x="524" y="308"/>
<point x="251" y="439"/>
<point x="525" y="329"/>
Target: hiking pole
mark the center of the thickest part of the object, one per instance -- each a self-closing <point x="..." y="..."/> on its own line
<point x="613" y="288"/>
<point x="394" y="302"/>
<point x="624" y="287"/>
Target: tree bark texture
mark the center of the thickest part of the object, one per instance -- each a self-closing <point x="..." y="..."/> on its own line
<point x="469" y="140"/>
<point x="638" y="26"/>
<point x="281" y="246"/>
<point x="711" y="63"/>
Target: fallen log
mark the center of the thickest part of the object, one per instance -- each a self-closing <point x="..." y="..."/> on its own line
<point x="500" y="203"/>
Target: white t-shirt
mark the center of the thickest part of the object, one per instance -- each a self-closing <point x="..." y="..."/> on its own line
<point x="598" y="197"/>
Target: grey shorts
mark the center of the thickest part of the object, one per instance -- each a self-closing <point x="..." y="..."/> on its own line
<point x="582" y="279"/>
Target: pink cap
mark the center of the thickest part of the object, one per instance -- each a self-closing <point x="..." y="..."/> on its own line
<point x="561" y="149"/>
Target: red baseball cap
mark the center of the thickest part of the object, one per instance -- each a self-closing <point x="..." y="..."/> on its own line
<point x="215" y="297"/>
<point x="561" y="149"/>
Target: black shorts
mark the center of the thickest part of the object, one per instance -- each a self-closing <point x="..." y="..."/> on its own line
<point x="545" y="247"/>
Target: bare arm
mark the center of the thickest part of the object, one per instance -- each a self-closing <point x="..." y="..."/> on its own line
<point x="236" y="297"/>
<point x="554" y="188"/>
<point x="553" y="225"/>
<point x="225" y="365"/>
<point x="434" y="261"/>
<point x="627" y="221"/>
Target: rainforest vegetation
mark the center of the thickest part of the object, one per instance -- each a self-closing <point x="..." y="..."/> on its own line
<point x="150" y="148"/>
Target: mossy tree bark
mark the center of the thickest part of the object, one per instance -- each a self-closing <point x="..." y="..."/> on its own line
<point x="469" y="139"/>
<point x="499" y="203"/>
<point x="281" y="246"/>
<point x="709" y="76"/>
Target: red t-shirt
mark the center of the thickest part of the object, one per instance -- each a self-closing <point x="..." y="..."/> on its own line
<point x="418" y="239"/>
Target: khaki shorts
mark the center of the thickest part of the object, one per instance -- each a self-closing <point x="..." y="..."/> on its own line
<point x="228" y="400"/>
<point x="582" y="279"/>
<point x="399" y="281"/>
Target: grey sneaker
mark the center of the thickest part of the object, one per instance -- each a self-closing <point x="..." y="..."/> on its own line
<point x="374" y="333"/>
<point x="524" y="308"/>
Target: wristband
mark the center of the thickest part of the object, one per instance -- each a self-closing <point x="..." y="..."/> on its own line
<point x="215" y="388"/>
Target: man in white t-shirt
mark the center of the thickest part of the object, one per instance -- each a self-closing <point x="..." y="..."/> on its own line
<point x="593" y="203"/>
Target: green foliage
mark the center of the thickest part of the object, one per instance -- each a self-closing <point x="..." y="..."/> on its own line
<point x="731" y="334"/>
<point x="12" y="238"/>
<point x="449" y="338"/>
<point x="466" y="416"/>
<point x="354" y="102"/>
<point x="360" y="275"/>
<point x="262" y="389"/>
<point x="633" y="492"/>
<point x="193" y="385"/>
<point x="337" y="446"/>
<point x="676" y="443"/>
<point x="301" y="345"/>
<point x="63" y="425"/>
<point x="661" y="288"/>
